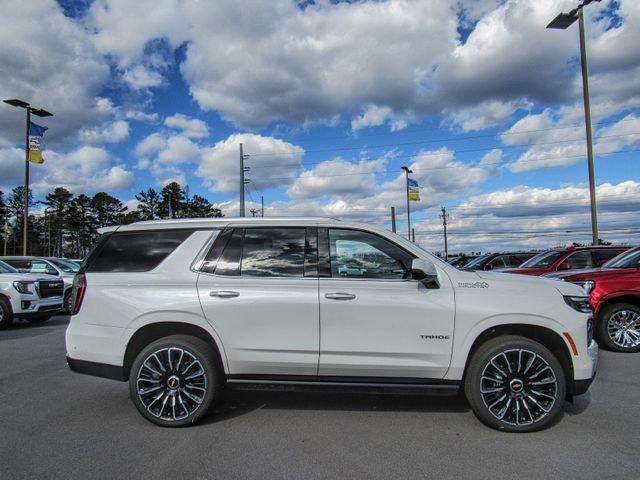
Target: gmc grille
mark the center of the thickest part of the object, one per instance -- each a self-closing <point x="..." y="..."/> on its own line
<point x="51" y="288"/>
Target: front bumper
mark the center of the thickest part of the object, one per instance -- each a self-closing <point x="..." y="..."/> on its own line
<point x="581" y="385"/>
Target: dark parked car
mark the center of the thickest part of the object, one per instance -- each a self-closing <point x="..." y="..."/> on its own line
<point x="615" y="296"/>
<point x="461" y="260"/>
<point x="571" y="258"/>
<point x="498" y="261"/>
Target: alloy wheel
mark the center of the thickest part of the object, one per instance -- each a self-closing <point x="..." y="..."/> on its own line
<point x="518" y="387"/>
<point x="171" y="384"/>
<point x="623" y="328"/>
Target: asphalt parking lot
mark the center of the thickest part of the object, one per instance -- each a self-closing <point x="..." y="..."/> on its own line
<point x="60" y="425"/>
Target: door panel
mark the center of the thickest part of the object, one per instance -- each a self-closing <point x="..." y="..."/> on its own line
<point x="267" y="325"/>
<point x="381" y="327"/>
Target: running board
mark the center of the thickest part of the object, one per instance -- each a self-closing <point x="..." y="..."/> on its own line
<point x="391" y="385"/>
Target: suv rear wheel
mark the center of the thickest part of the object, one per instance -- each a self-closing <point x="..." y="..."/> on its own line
<point x="619" y="327"/>
<point x="174" y="380"/>
<point x="515" y="384"/>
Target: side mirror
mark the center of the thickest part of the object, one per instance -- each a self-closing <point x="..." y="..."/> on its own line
<point x="565" y="266"/>
<point x="424" y="271"/>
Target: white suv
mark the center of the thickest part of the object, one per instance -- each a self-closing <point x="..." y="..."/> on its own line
<point x="181" y="308"/>
<point x="35" y="298"/>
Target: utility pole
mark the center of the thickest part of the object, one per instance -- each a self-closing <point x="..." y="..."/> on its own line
<point x="262" y="205"/>
<point x="444" y="216"/>
<point x="393" y="219"/>
<point x="562" y="22"/>
<point x="243" y="182"/>
<point x="407" y="171"/>
<point x="413" y="235"/>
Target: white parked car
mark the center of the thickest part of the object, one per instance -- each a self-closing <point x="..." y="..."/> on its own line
<point x="180" y="308"/>
<point x="35" y="298"/>
<point x="59" y="267"/>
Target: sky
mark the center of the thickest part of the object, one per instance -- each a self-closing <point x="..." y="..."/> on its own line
<point x="330" y="99"/>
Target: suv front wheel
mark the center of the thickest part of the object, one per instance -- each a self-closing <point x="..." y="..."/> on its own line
<point x="619" y="327"/>
<point x="515" y="384"/>
<point x="175" y="380"/>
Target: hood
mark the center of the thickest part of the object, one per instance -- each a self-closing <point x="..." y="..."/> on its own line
<point x="525" y="271"/>
<point x="569" y="273"/>
<point x="596" y="274"/>
<point x="31" y="277"/>
<point x="532" y="283"/>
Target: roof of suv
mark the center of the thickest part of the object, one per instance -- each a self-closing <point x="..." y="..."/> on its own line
<point x="214" y="222"/>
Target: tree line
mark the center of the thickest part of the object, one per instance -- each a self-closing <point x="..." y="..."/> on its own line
<point x="68" y="226"/>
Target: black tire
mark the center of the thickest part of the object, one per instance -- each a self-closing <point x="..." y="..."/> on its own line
<point x="39" y="318"/>
<point x="618" y="327"/>
<point x="68" y="303"/>
<point x="509" y="394"/>
<point x="6" y="314"/>
<point x="187" y="371"/>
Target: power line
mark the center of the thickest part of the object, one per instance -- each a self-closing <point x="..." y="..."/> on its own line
<point x="491" y="135"/>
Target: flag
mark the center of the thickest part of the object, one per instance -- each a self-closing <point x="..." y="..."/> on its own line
<point x="36" y="133"/>
<point x="414" y="190"/>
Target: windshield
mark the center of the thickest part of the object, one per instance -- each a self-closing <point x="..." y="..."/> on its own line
<point x="477" y="262"/>
<point x="630" y="259"/>
<point x="4" y="268"/>
<point x="543" y="260"/>
<point x="66" y="266"/>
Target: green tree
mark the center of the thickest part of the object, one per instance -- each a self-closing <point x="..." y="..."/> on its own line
<point x="58" y="203"/>
<point x="199" y="207"/>
<point x="150" y="204"/>
<point x="15" y="206"/>
<point x="108" y="210"/>
<point x="173" y="201"/>
<point x="82" y="226"/>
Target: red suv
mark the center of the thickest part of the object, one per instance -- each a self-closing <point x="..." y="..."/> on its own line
<point x="571" y="258"/>
<point x="615" y="296"/>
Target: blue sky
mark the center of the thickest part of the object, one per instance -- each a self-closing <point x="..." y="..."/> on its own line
<point x="330" y="99"/>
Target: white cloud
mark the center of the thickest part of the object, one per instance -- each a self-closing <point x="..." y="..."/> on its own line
<point x="179" y="150"/>
<point x="139" y="77"/>
<point x="338" y="177"/>
<point x="191" y="127"/>
<point x="114" y="132"/>
<point x="273" y="163"/>
<point x="141" y="116"/>
<point x="150" y="145"/>
<point x="487" y="114"/>
<point x="52" y="64"/>
<point x="86" y="169"/>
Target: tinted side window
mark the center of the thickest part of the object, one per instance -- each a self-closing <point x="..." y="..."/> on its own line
<point x="602" y="256"/>
<point x="273" y="252"/>
<point x="580" y="259"/>
<point x="229" y="262"/>
<point x="357" y="254"/>
<point x="498" y="262"/>
<point x="136" y="251"/>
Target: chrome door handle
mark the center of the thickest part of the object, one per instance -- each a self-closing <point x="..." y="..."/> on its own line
<point x="339" y="296"/>
<point x="224" y="293"/>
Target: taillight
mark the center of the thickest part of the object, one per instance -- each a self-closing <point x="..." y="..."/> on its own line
<point x="79" y="288"/>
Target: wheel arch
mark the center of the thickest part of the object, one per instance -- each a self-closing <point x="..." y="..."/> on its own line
<point x="155" y="331"/>
<point x="620" y="297"/>
<point x="542" y="335"/>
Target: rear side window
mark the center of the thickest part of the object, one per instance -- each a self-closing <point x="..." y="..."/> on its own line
<point x="135" y="251"/>
<point x="604" y="255"/>
<point x="260" y="252"/>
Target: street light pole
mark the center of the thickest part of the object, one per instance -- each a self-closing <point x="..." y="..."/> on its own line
<point x="562" y="22"/>
<point x="40" y="113"/>
<point x="407" y="171"/>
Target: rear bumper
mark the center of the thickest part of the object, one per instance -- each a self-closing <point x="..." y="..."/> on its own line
<point x="103" y="370"/>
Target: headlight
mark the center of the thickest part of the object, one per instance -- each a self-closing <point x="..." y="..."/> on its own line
<point x="25" y="287"/>
<point x="587" y="285"/>
<point x="580" y="304"/>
